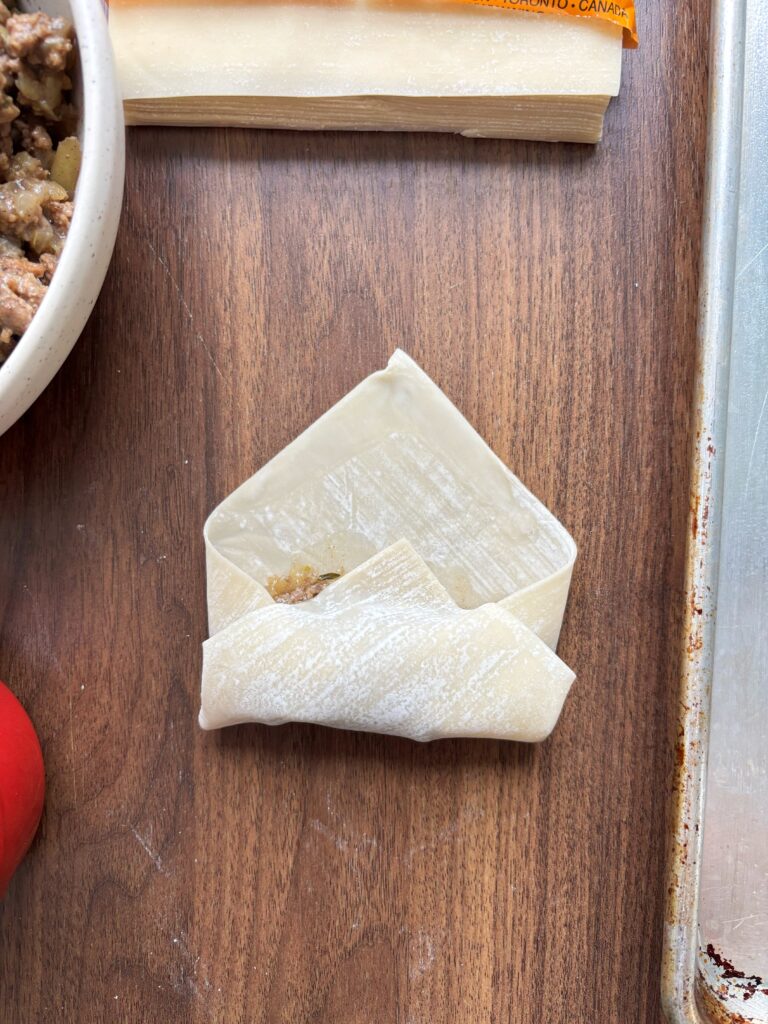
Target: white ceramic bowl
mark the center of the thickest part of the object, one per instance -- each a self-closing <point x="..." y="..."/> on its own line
<point x="85" y="257"/>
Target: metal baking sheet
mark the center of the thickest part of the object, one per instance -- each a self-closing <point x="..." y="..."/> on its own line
<point x="716" y="936"/>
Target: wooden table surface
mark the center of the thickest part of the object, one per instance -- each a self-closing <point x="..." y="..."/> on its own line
<point x="297" y="875"/>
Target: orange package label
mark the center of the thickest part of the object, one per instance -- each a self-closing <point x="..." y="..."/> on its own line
<point x="618" y="12"/>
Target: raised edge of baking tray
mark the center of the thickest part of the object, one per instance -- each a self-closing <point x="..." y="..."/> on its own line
<point x="716" y="927"/>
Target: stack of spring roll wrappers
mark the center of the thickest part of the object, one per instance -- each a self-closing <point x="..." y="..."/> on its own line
<point x="398" y="65"/>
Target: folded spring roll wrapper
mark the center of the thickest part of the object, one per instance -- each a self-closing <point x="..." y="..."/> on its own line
<point x="455" y="583"/>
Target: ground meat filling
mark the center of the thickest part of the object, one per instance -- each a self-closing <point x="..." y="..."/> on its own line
<point x="39" y="39"/>
<point x="299" y="585"/>
<point x="35" y="188"/>
<point x="22" y="287"/>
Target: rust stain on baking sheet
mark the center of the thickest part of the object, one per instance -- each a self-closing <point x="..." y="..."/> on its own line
<point x="695" y="644"/>
<point x="692" y="716"/>
<point x="692" y="722"/>
<point x="699" y="520"/>
<point x="715" y="1012"/>
<point x="729" y="971"/>
<point x="695" y="639"/>
<point x="721" y="988"/>
<point x="699" y="502"/>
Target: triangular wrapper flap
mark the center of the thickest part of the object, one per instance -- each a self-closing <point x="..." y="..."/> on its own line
<point x="394" y="459"/>
<point x="385" y="649"/>
<point x="231" y="592"/>
<point x="453" y="588"/>
<point x="542" y="605"/>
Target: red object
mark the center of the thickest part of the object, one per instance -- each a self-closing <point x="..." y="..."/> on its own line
<point x="22" y="784"/>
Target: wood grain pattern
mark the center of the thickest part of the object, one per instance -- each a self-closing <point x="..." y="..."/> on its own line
<point x="303" y="876"/>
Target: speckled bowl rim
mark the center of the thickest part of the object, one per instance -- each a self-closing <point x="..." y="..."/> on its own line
<point x="88" y="249"/>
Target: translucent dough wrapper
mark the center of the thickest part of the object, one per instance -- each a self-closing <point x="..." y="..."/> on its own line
<point x="454" y="583"/>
